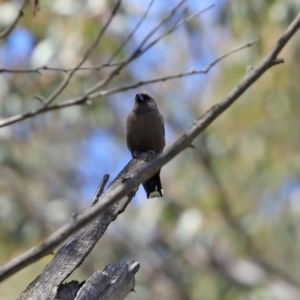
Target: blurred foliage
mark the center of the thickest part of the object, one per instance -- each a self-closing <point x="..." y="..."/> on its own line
<point x="228" y="225"/>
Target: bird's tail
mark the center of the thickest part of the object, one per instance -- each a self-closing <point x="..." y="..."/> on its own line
<point x="153" y="186"/>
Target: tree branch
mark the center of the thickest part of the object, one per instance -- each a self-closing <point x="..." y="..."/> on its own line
<point x="72" y="253"/>
<point x="70" y="257"/>
<point x="88" y="52"/>
<point x="10" y="28"/>
<point x="86" y="98"/>
<point x="142" y="47"/>
<point x="115" y="282"/>
<point x="119" y="283"/>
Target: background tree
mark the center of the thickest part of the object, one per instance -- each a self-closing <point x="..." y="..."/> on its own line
<point x="227" y="227"/>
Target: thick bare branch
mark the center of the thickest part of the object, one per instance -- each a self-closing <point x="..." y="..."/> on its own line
<point x="121" y="282"/>
<point x="115" y="282"/>
<point x="72" y="253"/>
<point x="83" y="241"/>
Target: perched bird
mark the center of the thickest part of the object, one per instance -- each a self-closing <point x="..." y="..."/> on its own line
<point x="145" y="131"/>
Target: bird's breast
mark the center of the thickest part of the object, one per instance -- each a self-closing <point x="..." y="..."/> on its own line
<point x="145" y="132"/>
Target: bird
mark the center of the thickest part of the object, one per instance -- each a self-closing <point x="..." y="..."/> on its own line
<point x="145" y="132"/>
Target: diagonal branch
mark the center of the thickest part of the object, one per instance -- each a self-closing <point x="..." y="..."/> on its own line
<point x="93" y="45"/>
<point x="174" y="27"/>
<point x="136" y="53"/>
<point x="75" y="249"/>
<point x="113" y="196"/>
<point x="129" y="37"/>
<point x="144" y="47"/>
<point x="10" y="28"/>
<point x="206" y="70"/>
<point x="79" y="66"/>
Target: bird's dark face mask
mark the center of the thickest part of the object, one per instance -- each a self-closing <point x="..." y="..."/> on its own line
<point x="142" y="98"/>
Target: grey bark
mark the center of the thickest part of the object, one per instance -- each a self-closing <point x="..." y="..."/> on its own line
<point x="73" y="252"/>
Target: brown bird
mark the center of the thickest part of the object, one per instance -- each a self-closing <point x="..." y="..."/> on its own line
<point x="145" y="131"/>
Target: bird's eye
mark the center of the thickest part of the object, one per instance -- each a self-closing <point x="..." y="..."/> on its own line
<point x="138" y="98"/>
<point x="145" y="97"/>
<point x="141" y="97"/>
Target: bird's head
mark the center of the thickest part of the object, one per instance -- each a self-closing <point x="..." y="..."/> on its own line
<point x="144" y="99"/>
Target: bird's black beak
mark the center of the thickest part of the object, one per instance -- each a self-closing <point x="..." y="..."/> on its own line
<point x="139" y="98"/>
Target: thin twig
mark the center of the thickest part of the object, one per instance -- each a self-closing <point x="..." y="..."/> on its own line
<point x="39" y="70"/>
<point x="133" y="56"/>
<point x="175" y="26"/>
<point x="88" y="52"/>
<point x="10" y="28"/>
<point x="81" y="100"/>
<point x="129" y="37"/>
<point x="100" y="189"/>
<point x="140" y="50"/>
<point x="80" y="68"/>
<point x="136" y="53"/>
<point x="171" y="77"/>
<point x="172" y="151"/>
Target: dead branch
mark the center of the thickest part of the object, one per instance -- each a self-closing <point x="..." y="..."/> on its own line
<point x="76" y="248"/>
<point x="72" y="253"/>
<point x="115" y="282"/>
<point x="121" y="282"/>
